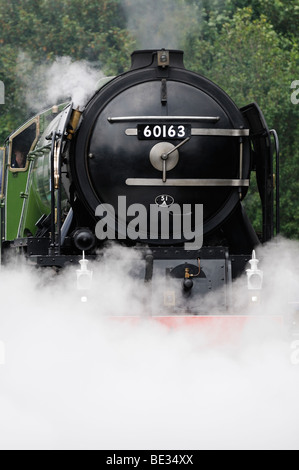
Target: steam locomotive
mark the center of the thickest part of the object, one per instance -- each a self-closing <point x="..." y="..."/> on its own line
<point x="159" y="160"/>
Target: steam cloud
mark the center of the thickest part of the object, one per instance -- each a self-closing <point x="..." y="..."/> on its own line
<point x="153" y="24"/>
<point x="157" y="24"/>
<point x="75" y="376"/>
<point x="62" y="80"/>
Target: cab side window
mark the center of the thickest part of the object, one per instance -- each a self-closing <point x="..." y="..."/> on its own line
<point x="20" y="145"/>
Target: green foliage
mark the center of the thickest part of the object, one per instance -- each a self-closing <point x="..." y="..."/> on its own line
<point x="282" y="14"/>
<point x="90" y="30"/>
<point x="45" y="29"/>
<point x="253" y="61"/>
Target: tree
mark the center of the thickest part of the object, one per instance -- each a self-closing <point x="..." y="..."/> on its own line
<point x="252" y="61"/>
<point x="43" y="30"/>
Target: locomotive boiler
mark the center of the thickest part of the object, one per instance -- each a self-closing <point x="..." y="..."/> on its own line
<point x="159" y="160"/>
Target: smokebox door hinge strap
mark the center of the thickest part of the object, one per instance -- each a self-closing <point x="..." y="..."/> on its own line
<point x="163" y="91"/>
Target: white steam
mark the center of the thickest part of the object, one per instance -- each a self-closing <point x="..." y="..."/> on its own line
<point x="154" y="24"/>
<point x="77" y="377"/>
<point x="157" y="24"/>
<point x="50" y="84"/>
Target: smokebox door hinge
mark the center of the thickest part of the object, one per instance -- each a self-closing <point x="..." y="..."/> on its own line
<point x="163" y="91"/>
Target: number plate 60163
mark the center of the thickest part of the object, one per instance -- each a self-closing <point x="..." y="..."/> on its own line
<point x="163" y="131"/>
